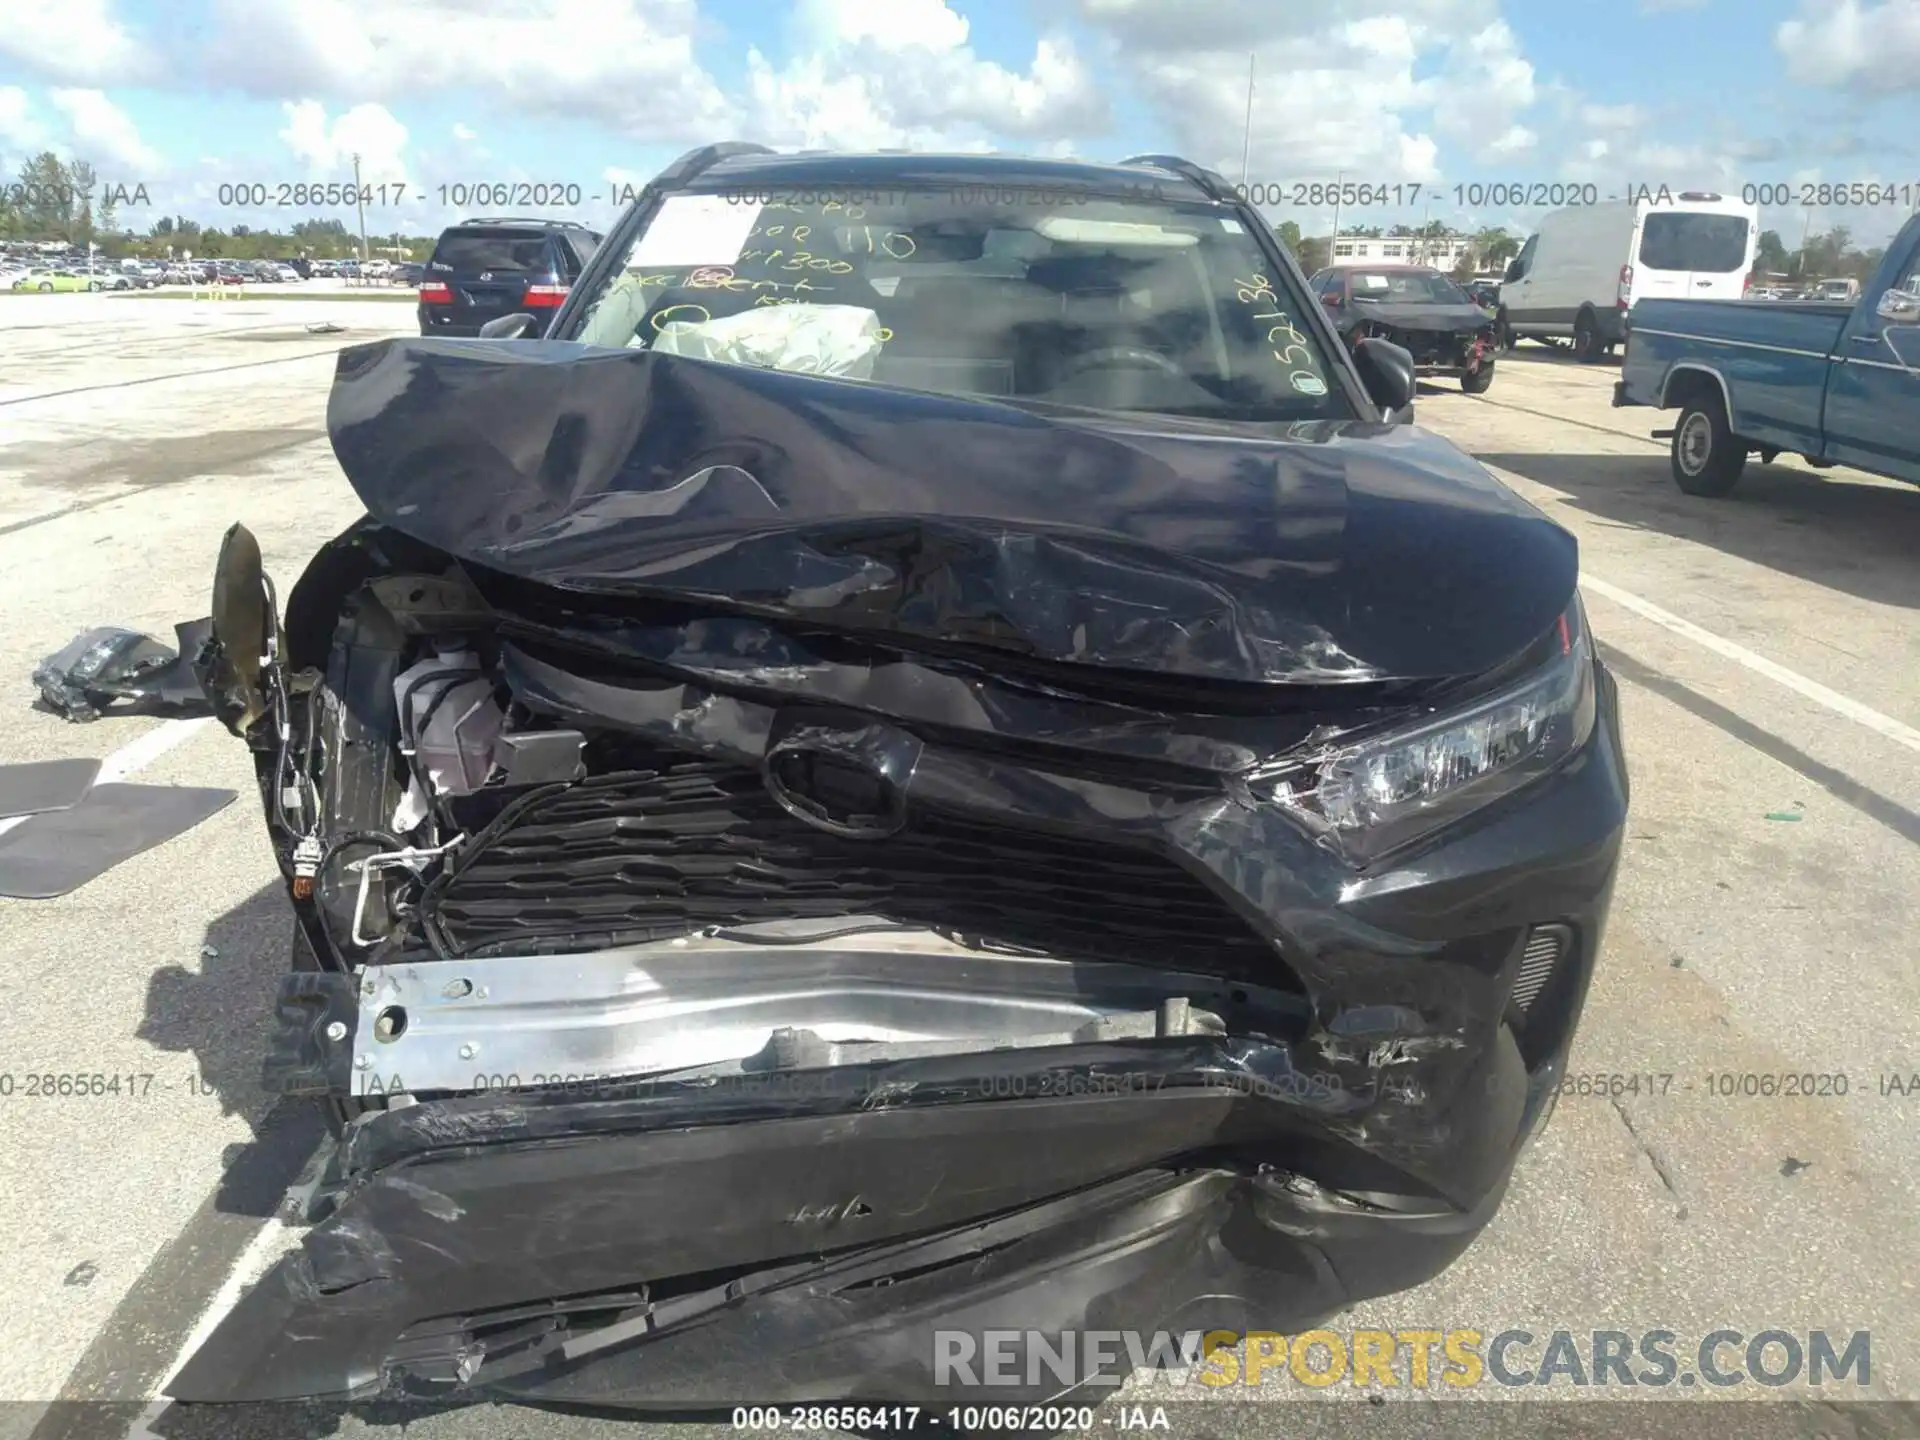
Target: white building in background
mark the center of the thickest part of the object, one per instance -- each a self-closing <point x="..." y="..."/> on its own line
<point x="1441" y="252"/>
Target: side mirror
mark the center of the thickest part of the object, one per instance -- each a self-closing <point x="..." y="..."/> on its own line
<point x="1513" y="270"/>
<point x="1902" y="307"/>
<point x="1330" y="300"/>
<point x="1386" y="369"/>
<point x="507" y="327"/>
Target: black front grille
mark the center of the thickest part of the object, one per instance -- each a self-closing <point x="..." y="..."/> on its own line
<point x="652" y="854"/>
<point x="1429" y="347"/>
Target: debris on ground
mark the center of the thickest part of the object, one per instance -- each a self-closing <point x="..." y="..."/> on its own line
<point x="110" y="670"/>
<point x="54" y="854"/>
<point x="43" y="785"/>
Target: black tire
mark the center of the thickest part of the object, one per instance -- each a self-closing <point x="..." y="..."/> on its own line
<point x="1587" y="346"/>
<point x="1707" y="456"/>
<point x="1477" y="382"/>
<point x="46" y="288"/>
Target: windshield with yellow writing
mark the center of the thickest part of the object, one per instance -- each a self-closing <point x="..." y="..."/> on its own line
<point x="1100" y="303"/>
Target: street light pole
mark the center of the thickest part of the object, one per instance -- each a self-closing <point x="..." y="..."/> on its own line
<point x="1334" y="244"/>
<point x="360" y="203"/>
<point x="1246" y="140"/>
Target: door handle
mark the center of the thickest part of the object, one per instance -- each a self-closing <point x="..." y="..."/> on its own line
<point x="1866" y="339"/>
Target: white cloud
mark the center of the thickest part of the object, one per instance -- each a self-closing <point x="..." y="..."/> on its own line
<point x="464" y="132"/>
<point x="1346" y="87"/>
<point x="1875" y="48"/>
<point x="71" y="40"/>
<point x="1612" y="117"/>
<point x="1660" y="7"/>
<point x="898" y="26"/>
<point x="1484" y="86"/>
<point x="106" y="136"/>
<point x="1167" y="26"/>
<point x="626" y="64"/>
<point x="326" y="148"/>
<point x="903" y="75"/>
<point x="21" y="132"/>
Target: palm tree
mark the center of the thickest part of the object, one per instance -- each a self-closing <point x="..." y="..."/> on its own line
<point x="1495" y="247"/>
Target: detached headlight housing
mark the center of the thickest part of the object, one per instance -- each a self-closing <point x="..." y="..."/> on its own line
<point x="1384" y="792"/>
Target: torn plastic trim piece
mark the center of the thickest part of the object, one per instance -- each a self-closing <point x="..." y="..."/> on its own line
<point x="243" y="627"/>
<point x="310" y="1049"/>
<point x="453" y="1026"/>
<point x="488" y="1227"/>
<point x="459" y="1231"/>
<point x="95" y="672"/>
<point x="841" y="1273"/>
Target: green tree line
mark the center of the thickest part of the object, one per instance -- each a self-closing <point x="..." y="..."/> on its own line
<point x="1828" y="256"/>
<point x="67" y="201"/>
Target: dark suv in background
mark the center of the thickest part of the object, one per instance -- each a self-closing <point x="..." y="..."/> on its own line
<point x="483" y="269"/>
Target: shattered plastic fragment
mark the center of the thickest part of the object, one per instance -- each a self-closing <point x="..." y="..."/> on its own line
<point x="85" y="678"/>
<point x="82" y="678"/>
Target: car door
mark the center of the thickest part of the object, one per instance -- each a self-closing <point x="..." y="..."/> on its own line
<point x="1873" y="389"/>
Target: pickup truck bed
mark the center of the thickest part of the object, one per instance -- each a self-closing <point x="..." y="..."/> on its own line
<point x="1836" y="383"/>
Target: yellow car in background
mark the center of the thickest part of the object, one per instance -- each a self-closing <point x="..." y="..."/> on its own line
<point x="44" y="278"/>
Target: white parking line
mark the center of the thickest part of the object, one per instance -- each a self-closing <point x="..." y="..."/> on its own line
<point x="1886" y="725"/>
<point x="135" y="755"/>
<point x="138" y="754"/>
<point x="261" y="1252"/>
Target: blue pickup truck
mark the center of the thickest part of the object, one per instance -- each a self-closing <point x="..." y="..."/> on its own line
<point x="1836" y="384"/>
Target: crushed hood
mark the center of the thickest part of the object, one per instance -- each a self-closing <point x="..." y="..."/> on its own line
<point x="1329" y="551"/>
<point x="1434" y="319"/>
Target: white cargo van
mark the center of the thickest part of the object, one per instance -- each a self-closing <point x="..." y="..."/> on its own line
<point x="1581" y="272"/>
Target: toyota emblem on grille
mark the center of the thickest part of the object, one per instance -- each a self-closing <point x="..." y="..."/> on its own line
<point x="486" y="274"/>
<point x="848" y="777"/>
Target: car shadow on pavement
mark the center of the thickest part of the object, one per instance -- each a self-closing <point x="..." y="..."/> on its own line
<point x="222" y="1014"/>
<point x="1529" y="353"/>
<point x="1859" y="539"/>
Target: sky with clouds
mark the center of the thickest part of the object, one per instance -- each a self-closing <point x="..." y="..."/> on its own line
<point x="188" y="96"/>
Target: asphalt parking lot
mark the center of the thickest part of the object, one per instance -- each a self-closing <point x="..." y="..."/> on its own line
<point x="1764" y="922"/>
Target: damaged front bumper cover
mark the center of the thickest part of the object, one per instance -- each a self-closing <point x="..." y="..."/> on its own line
<point x="701" y="1240"/>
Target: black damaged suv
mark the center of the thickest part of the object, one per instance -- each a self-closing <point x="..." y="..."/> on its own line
<point x="951" y="763"/>
<point x="485" y="268"/>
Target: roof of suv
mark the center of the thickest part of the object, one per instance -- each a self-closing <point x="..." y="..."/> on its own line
<point x="517" y="222"/>
<point x="847" y="169"/>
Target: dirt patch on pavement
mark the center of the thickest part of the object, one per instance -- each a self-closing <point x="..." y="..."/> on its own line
<point x="152" y="460"/>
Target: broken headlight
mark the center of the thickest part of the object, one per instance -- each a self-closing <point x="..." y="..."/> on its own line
<point x="1378" y="794"/>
